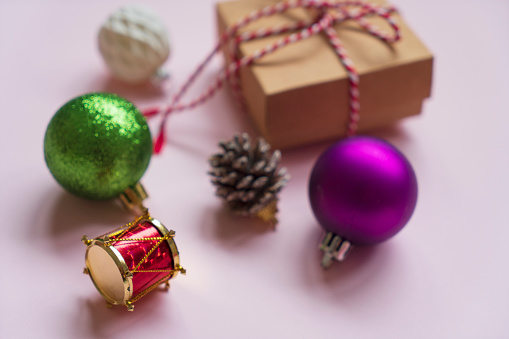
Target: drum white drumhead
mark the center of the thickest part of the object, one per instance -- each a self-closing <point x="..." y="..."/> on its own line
<point x="105" y="274"/>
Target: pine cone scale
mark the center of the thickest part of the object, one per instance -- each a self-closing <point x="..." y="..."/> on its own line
<point x="259" y="166"/>
<point x="245" y="182"/>
<point x="260" y="182"/>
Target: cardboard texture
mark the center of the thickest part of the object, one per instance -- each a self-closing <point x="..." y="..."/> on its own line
<point x="299" y="94"/>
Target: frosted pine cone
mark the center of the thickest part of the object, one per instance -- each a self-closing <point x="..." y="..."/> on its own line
<point x="246" y="176"/>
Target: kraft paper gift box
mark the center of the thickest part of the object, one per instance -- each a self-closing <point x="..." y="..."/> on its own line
<point x="300" y="94"/>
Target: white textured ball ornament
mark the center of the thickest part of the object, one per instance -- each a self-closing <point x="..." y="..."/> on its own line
<point x="134" y="44"/>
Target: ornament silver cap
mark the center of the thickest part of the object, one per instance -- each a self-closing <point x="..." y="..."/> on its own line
<point x="334" y="247"/>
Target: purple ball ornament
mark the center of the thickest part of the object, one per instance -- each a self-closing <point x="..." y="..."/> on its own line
<point x="362" y="191"/>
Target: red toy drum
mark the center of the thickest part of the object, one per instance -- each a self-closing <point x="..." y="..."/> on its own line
<point x="128" y="263"/>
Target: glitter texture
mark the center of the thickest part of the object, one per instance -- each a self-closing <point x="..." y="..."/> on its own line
<point x="97" y="145"/>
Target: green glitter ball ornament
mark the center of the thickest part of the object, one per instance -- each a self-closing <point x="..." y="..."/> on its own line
<point x="97" y="145"/>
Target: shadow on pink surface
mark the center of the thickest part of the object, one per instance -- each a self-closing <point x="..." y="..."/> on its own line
<point x="68" y="215"/>
<point x="234" y="230"/>
<point x="133" y="92"/>
<point x="300" y="161"/>
<point x="395" y="134"/>
<point x="351" y="278"/>
<point x="100" y="321"/>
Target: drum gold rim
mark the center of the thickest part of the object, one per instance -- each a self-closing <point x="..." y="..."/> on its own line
<point x="171" y="243"/>
<point x="127" y="277"/>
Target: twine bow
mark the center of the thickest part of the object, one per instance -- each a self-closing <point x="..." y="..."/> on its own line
<point x="329" y="14"/>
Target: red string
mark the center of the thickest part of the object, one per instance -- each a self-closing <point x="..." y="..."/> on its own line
<point x="158" y="145"/>
<point x="343" y="11"/>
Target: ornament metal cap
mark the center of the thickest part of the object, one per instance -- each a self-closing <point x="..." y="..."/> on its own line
<point x="133" y="197"/>
<point x="334" y="247"/>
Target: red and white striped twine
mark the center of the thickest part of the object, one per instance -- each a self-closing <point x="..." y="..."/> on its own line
<point x="324" y="22"/>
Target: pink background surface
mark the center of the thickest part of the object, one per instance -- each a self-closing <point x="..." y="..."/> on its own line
<point x="444" y="276"/>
